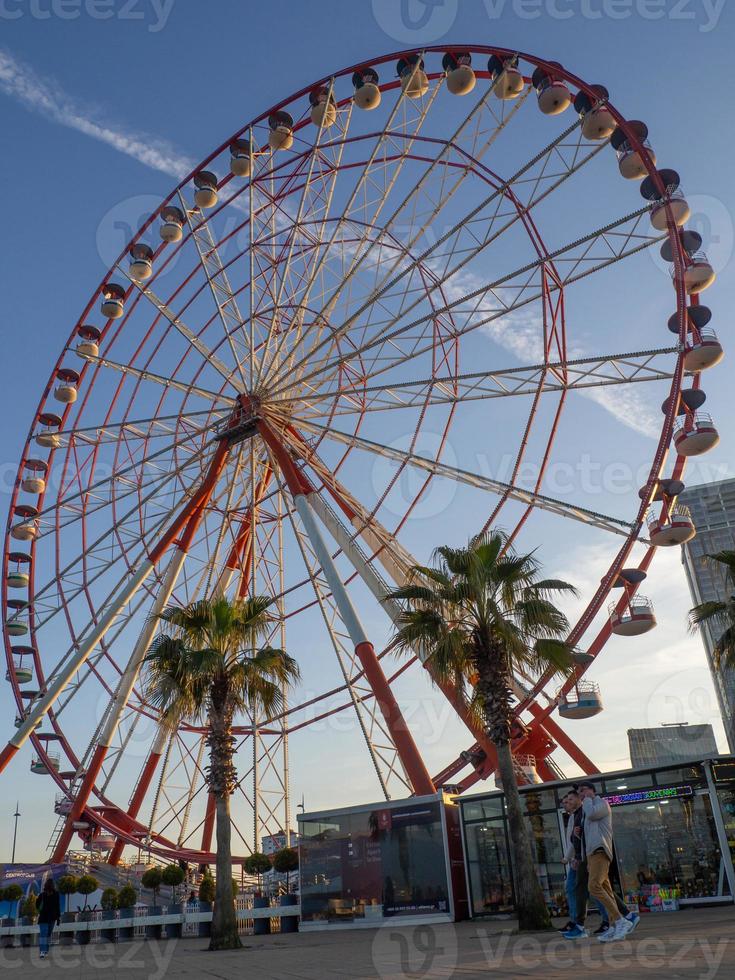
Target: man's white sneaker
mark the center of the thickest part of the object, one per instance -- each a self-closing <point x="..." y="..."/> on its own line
<point x="622" y="928"/>
<point x="607" y="937"/>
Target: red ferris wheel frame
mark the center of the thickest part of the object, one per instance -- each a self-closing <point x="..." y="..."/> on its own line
<point x="537" y="738"/>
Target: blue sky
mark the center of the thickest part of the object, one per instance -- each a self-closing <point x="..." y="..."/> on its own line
<point x="101" y="113"/>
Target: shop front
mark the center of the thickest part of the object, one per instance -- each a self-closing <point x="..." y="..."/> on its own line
<point x="674" y="833"/>
<point x="368" y="864"/>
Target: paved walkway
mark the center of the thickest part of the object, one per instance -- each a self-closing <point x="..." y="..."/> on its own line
<point x="693" y="944"/>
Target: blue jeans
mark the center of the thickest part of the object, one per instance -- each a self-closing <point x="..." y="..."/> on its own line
<point x="45" y="929"/>
<point x="571" y="889"/>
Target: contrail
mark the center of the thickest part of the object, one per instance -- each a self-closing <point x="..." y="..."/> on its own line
<point x="46" y="97"/>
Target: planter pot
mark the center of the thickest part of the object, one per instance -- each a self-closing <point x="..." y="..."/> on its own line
<point x="109" y="935"/>
<point x="67" y="938"/>
<point x="205" y="928"/>
<point x="173" y="929"/>
<point x="261" y="927"/>
<point x="84" y="935"/>
<point x="7" y="941"/>
<point x="27" y="940"/>
<point x="125" y="931"/>
<point x="289" y="923"/>
<point x="154" y="932"/>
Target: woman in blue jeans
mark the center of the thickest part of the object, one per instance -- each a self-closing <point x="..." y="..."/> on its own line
<point x="49" y="914"/>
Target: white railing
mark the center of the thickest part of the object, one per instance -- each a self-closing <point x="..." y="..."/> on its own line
<point x="676" y="511"/>
<point x="638" y="606"/>
<point x="691" y="423"/>
<point x="139" y="921"/>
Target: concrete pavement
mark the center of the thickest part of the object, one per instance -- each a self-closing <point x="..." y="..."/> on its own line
<point x="691" y="944"/>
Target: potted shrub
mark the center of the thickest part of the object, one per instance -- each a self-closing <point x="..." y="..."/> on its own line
<point x="152" y="879"/>
<point x="86" y="884"/>
<point x="109" y="905"/>
<point x="11" y="893"/>
<point x="256" y="864"/>
<point x="285" y="861"/>
<point x="172" y="875"/>
<point x="28" y="914"/>
<point x="67" y="885"/>
<point x="127" y="899"/>
<point x="206" y="897"/>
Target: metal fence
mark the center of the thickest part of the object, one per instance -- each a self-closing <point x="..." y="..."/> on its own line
<point x="102" y="926"/>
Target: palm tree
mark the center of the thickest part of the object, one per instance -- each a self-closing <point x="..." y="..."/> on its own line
<point x="206" y="667"/>
<point x="719" y="615"/>
<point x="480" y="615"/>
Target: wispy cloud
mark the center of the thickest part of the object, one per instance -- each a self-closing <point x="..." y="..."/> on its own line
<point x="46" y="97"/>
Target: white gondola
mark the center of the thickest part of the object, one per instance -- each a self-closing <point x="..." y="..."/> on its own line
<point x="22" y="671"/>
<point x="280" y="136"/>
<point x="17" y="622"/>
<point x="553" y="95"/>
<point x="524" y="767"/>
<point x="702" y="352"/>
<point x="635" y="618"/>
<point x="34" y="476"/>
<point x="240" y="156"/>
<point x="671" y="200"/>
<point x="508" y="81"/>
<point x="323" y="109"/>
<point x="49" y="436"/>
<point x="89" y="341"/>
<point x="676" y="529"/>
<point x="18" y="579"/>
<point x="171" y="228"/>
<point x="66" y="390"/>
<point x="699" y="274"/>
<point x="367" y="93"/>
<point x="695" y="434"/>
<point x="141" y="261"/>
<point x="63" y="805"/>
<point x="40" y="767"/>
<point x="205" y="195"/>
<point x="113" y="301"/>
<point x="680" y="212"/>
<point x="598" y="122"/>
<point x="582" y="701"/>
<point x="457" y="66"/>
<point x="27" y="528"/>
<point x="414" y="80"/>
<point x="630" y="159"/>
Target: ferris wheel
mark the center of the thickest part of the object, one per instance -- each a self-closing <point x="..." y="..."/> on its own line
<point x="245" y="402"/>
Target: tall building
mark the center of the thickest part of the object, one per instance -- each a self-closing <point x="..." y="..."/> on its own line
<point x="713" y="512"/>
<point x="276" y="842"/>
<point x="670" y="743"/>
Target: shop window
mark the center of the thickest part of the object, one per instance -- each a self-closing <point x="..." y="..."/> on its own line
<point x="668" y="849"/>
<point x="370" y="864"/>
<point x="682" y="775"/>
<point x="488" y="859"/>
<point x="484" y="809"/>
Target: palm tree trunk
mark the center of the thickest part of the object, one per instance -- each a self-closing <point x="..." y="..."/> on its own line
<point x="496" y="696"/>
<point x="532" y="911"/>
<point x="221" y="777"/>
<point x="224" y="921"/>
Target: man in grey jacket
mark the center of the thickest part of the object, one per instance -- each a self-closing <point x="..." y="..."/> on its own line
<point x="597" y="845"/>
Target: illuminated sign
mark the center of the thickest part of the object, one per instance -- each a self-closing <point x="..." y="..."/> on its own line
<point x="651" y="795"/>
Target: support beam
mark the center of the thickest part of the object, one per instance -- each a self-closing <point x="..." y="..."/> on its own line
<point x="413" y="764"/>
<point x="146" y="778"/>
<point x="119" y="703"/>
<point x="74" y="663"/>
